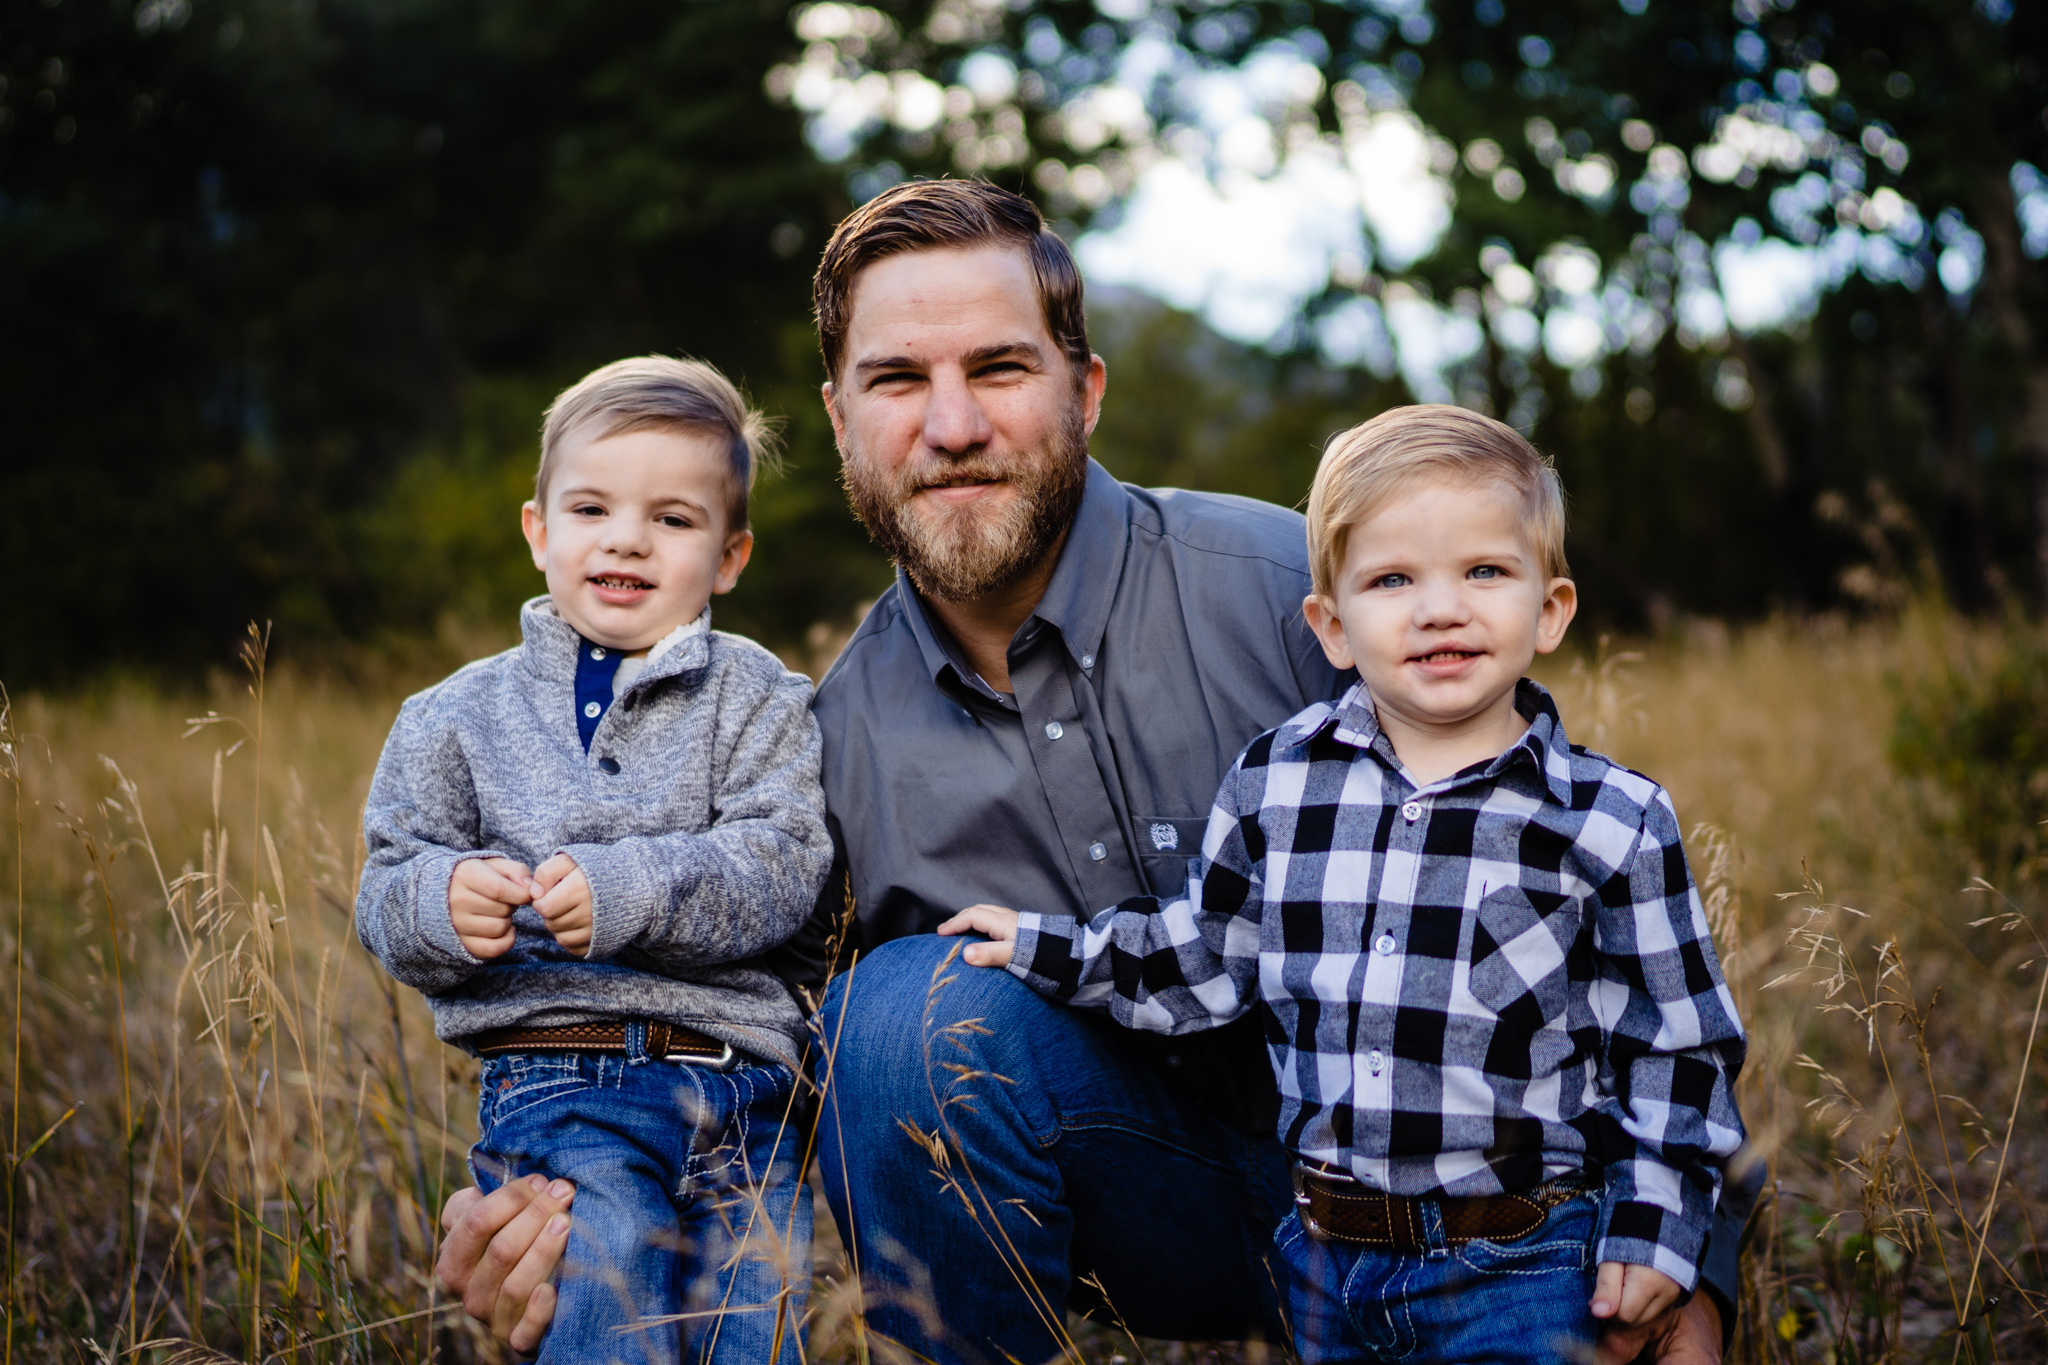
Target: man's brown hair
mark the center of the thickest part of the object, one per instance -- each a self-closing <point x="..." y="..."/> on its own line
<point x="1363" y="468"/>
<point x="922" y="214"/>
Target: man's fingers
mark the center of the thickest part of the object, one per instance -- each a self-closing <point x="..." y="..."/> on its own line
<point x="471" y="1227"/>
<point x="526" y="1303"/>
<point x="1620" y="1345"/>
<point x="458" y="1204"/>
<point x="540" y="1311"/>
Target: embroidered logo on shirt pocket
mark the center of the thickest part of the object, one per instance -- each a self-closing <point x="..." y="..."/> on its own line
<point x="1521" y="946"/>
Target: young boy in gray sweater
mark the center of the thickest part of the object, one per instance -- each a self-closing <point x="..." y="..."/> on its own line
<point x="581" y="848"/>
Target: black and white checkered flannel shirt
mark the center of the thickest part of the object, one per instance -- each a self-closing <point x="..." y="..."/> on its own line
<point x="1469" y="987"/>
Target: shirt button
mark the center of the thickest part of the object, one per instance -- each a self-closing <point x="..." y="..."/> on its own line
<point x="597" y="651"/>
<point x="592" y="709"/>
<point x="1375" y="1061"/>
<point x="1097" y="852"/>
<point x="609" y="765"/>
<point x="1384" y="944"/>
<point x="1087" y="661"/>
<point x="1053" y="729"/>
<point x="1412" y="811"/>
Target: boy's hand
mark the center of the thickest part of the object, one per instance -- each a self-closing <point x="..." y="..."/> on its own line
<point x="482" y="894"/>
<point x="998" y="924"/>
<point x="1632" y="1294"/>
<point x="563" y="900"/>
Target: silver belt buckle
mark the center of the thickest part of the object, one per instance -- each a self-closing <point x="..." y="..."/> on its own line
<point x="722" y="1062"/>
<point x="1300" y="1174"/>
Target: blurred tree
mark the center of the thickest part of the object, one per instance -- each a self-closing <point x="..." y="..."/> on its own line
<point x="1606" y="175"/>
<point x="255" y="259"/>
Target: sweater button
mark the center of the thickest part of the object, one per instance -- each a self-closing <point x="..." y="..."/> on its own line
<point x="591" y="709"/>
<point x="608" y="765"/>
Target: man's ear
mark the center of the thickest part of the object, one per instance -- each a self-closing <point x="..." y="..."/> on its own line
<point x="1560" y="605"/>
<point x="739" y="548"/>
<point x="535" y="527"/>
<point x="827" y="392"/>
<point x="1093" y="385"/>
<point x="1322" y="617"/>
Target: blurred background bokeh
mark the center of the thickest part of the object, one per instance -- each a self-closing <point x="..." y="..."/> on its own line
<point x="284" y="284"/>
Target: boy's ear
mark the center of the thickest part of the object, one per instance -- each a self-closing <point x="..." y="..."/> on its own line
<point x="1560" y="605"/>
<point x="535" y="528"/>
<point x="739" y="548"/>
<point x="1321" y="614"/>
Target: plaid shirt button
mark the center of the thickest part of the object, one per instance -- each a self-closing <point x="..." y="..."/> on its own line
<point x="1384" y="945"/>
<point x="1412" y="811"/>
<point x="1375" y="1061"/>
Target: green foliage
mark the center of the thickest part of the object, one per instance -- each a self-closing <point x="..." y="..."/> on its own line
<point x="1977" y="733"/>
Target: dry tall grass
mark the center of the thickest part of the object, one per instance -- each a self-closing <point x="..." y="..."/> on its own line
<point x="228" y="1128"/>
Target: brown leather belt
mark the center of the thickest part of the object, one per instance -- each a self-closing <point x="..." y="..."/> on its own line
<point x="669" y="1042"/>
<point x="1342" y="1210"/>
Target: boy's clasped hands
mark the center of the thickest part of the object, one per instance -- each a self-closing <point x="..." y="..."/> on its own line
<point x="483" y="893"/>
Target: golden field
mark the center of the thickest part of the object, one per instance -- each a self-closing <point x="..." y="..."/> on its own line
<point x="227" y="1128"/>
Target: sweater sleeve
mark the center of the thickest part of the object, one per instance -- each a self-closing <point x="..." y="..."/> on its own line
<point x="747" y="883"/>
<point x="420" y="821"/>
<point x="1182" y="966"/>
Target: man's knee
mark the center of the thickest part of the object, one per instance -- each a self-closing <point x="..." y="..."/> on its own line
<point x="911" y="1025"/>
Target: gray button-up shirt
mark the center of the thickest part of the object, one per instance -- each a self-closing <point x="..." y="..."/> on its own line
<point x="1170" y="635"/>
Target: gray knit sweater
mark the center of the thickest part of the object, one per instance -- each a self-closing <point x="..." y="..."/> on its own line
<point x="705" y="846"/>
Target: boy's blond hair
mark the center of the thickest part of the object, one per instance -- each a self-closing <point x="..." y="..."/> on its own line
<point x="661" y="393"/>
<point x="1364" y="467"/>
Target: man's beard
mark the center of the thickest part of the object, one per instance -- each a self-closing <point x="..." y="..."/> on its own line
<point x="958" y="554"/>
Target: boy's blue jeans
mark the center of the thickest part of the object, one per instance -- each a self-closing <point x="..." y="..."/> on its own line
<point x="1478" y="1303"/>
<point x="690" y="1210"/>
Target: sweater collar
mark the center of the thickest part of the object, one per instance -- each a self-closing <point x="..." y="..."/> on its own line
<point x="550" y="645"/>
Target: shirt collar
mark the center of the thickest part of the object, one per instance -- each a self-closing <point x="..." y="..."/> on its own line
<point x="550" y="645"/>
<point x="1352" y="720"/>
<point x="1077" y="599"/>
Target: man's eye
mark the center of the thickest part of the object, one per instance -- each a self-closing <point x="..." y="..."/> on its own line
<point x="1391" y="580"/>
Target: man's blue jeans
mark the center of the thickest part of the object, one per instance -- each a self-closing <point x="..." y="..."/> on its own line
<point x="690" y="1210"/>
<point x="1478" y="1303"/>
<point x="1066" y="1155"/>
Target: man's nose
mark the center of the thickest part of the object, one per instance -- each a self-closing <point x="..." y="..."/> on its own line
<point x="954" y="421"/>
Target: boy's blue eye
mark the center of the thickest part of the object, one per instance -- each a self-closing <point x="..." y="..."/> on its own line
<point x="1391" y="580"/>
<point x="1487" y="571"/>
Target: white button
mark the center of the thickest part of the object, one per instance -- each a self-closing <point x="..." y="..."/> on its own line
<point x="1053" y="729"/>
<point x="597" y="651"/>
<point x="1375" y="1061"/>
<point x="1412" y="811"/>
<point x="1384" y="944"/>
<point x="591" y="709"/>
<point x="1087" y="661"/>
<point x="1097" y="852"/>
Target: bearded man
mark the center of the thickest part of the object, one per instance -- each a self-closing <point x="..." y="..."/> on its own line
<point x="1037" y="714"/>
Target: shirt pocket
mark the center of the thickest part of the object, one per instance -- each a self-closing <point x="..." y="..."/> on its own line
<point x="1165" y="844"/>
<point x="1522" y="944"/>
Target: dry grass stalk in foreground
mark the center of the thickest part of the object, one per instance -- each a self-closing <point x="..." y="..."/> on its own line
<point x="258" y="1175"/>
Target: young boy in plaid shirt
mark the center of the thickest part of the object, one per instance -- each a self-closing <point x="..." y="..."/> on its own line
<point x="1502" y="1038"/>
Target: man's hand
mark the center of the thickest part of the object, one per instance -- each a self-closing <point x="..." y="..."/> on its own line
<point x="501" y="1253"/>
<point x="1680" y="1336"/>
<point x="998" y="924"/>
<point x="482" y="894"/>
<point x="562" y="895"/>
